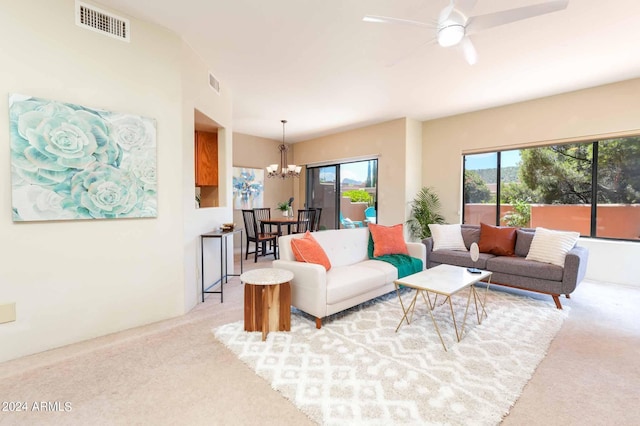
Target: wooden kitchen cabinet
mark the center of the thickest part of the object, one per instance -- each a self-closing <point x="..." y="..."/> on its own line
<point x="206" y="158"/>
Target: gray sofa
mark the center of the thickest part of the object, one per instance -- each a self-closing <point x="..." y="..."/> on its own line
<point x="516" y="271"/>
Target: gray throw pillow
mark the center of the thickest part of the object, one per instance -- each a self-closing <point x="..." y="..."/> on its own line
<point x="470" y="234"/>
<point x="523" y="242"/>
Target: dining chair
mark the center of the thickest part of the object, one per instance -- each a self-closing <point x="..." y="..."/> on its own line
<point x="316" y="222"/>
<point x="258" y="238"/>
<point x="306" y="220"/>
<point x="264" y="213"/>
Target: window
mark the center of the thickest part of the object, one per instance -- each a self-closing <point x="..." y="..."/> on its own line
<point x="480" y="185"/>
<point x="617" y="212"/>
<point x="555" y="187"/>
<point x="346" y="193"/>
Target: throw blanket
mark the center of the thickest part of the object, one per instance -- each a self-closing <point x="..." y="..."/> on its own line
<point x="405" y="264"/>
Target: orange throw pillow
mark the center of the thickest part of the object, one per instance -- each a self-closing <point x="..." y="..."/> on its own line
<point x="307" y="249"/>
<point x="387" y="239"/>
<point x="498" y="240"/>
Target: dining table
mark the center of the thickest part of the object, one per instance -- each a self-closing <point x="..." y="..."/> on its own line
<point x="279" y="222"/>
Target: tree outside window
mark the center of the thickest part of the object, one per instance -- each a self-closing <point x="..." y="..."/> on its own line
<point x="553" y="186"/>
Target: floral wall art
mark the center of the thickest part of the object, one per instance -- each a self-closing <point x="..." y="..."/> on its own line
<point x="73" y="162"/>
<point x="248" y="188"/>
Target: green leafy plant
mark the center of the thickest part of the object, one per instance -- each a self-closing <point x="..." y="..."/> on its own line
<point x="521" y="214"/>
<point x="425" y="209"/>
<point x="283" y="206"/>
<point x="475" y="188"/>
<point x="358" y="196"/>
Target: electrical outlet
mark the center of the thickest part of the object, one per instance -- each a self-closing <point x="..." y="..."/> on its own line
<point x="7" y="312"/>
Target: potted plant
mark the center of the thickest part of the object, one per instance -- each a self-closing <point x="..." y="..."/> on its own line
<point x="284" y="208"/>
<point x="425" y="209"/>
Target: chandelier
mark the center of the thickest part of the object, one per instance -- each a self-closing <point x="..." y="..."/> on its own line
<point x="285" y="170"/>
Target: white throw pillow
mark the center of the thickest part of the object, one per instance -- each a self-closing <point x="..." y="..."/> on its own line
<point x="447" y="237"/>
<point x="551" y="246"/>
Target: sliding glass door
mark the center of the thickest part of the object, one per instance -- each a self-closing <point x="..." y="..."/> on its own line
<point x="346" y="192"/>
<point x="321" y="193"/>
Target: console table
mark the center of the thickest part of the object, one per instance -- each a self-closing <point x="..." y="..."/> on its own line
<point x="222" y="236"/>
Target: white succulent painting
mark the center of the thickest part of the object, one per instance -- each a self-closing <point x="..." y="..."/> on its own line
<point x="72" y="162"/>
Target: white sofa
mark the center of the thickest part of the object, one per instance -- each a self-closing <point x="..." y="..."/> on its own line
<point x="352" y="279"/>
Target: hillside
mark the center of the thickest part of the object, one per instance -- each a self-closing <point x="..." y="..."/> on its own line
<point x="509" y="174"/>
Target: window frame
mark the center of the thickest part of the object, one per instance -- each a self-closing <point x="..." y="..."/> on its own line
<point x="338" y="165"/>
<point x="594" y="183"/>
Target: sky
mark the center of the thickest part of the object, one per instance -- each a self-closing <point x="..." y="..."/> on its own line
<point x="356" y="171"/>
<point x="488" y="161"/>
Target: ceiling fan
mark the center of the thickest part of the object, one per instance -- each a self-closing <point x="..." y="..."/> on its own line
<point x="455" y="24"/>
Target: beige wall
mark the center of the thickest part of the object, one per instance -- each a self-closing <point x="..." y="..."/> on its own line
<point x="386" y="141"/>
<point x="397" y="144"/>
<point x="75" y="280"/>
<point x="413" y="163"/>
<point x="197" y="95"/>
<point x="256" y="152"/>
<point x="585" y="114"/>
<point x="578" y="115"/>
<point x="79" y="279"/>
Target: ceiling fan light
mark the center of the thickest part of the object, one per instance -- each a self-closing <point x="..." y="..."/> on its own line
<point x="450" y="35"/>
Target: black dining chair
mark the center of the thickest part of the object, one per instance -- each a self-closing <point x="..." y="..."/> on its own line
<point x="316" y="222"/>
<point x="257" y="237"/>
<point x="306" y="218"/>
<point x="264" y="213"/>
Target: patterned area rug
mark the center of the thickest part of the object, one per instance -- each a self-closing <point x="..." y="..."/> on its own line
<point x="358" y="370"/>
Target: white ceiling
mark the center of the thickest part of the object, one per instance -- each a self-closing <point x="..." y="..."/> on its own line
<point x="318" y="65"/>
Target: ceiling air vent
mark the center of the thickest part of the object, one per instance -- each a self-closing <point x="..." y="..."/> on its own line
<point x="214" y="83"/>
<point x="92" y="18"/>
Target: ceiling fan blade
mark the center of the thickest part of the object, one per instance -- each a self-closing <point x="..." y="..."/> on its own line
<point x="490" y="20"/>
<point x="469" y="50"/>
<point x="465" y="6"/>
<point x="389" y="20"/>
<point x="444" y="14"/>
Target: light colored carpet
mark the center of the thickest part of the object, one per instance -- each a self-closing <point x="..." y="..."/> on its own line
<point x="358" y="370"/>
<point x="175" y="372"/>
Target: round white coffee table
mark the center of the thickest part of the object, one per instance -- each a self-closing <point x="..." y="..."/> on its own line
<point x="267" y="300"/>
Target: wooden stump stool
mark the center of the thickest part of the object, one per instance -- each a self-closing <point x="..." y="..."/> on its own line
<point x="267" y="300"/>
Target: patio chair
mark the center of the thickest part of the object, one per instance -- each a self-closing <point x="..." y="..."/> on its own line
<point x="348" y="223"/>
<point x="370" y="215"/>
